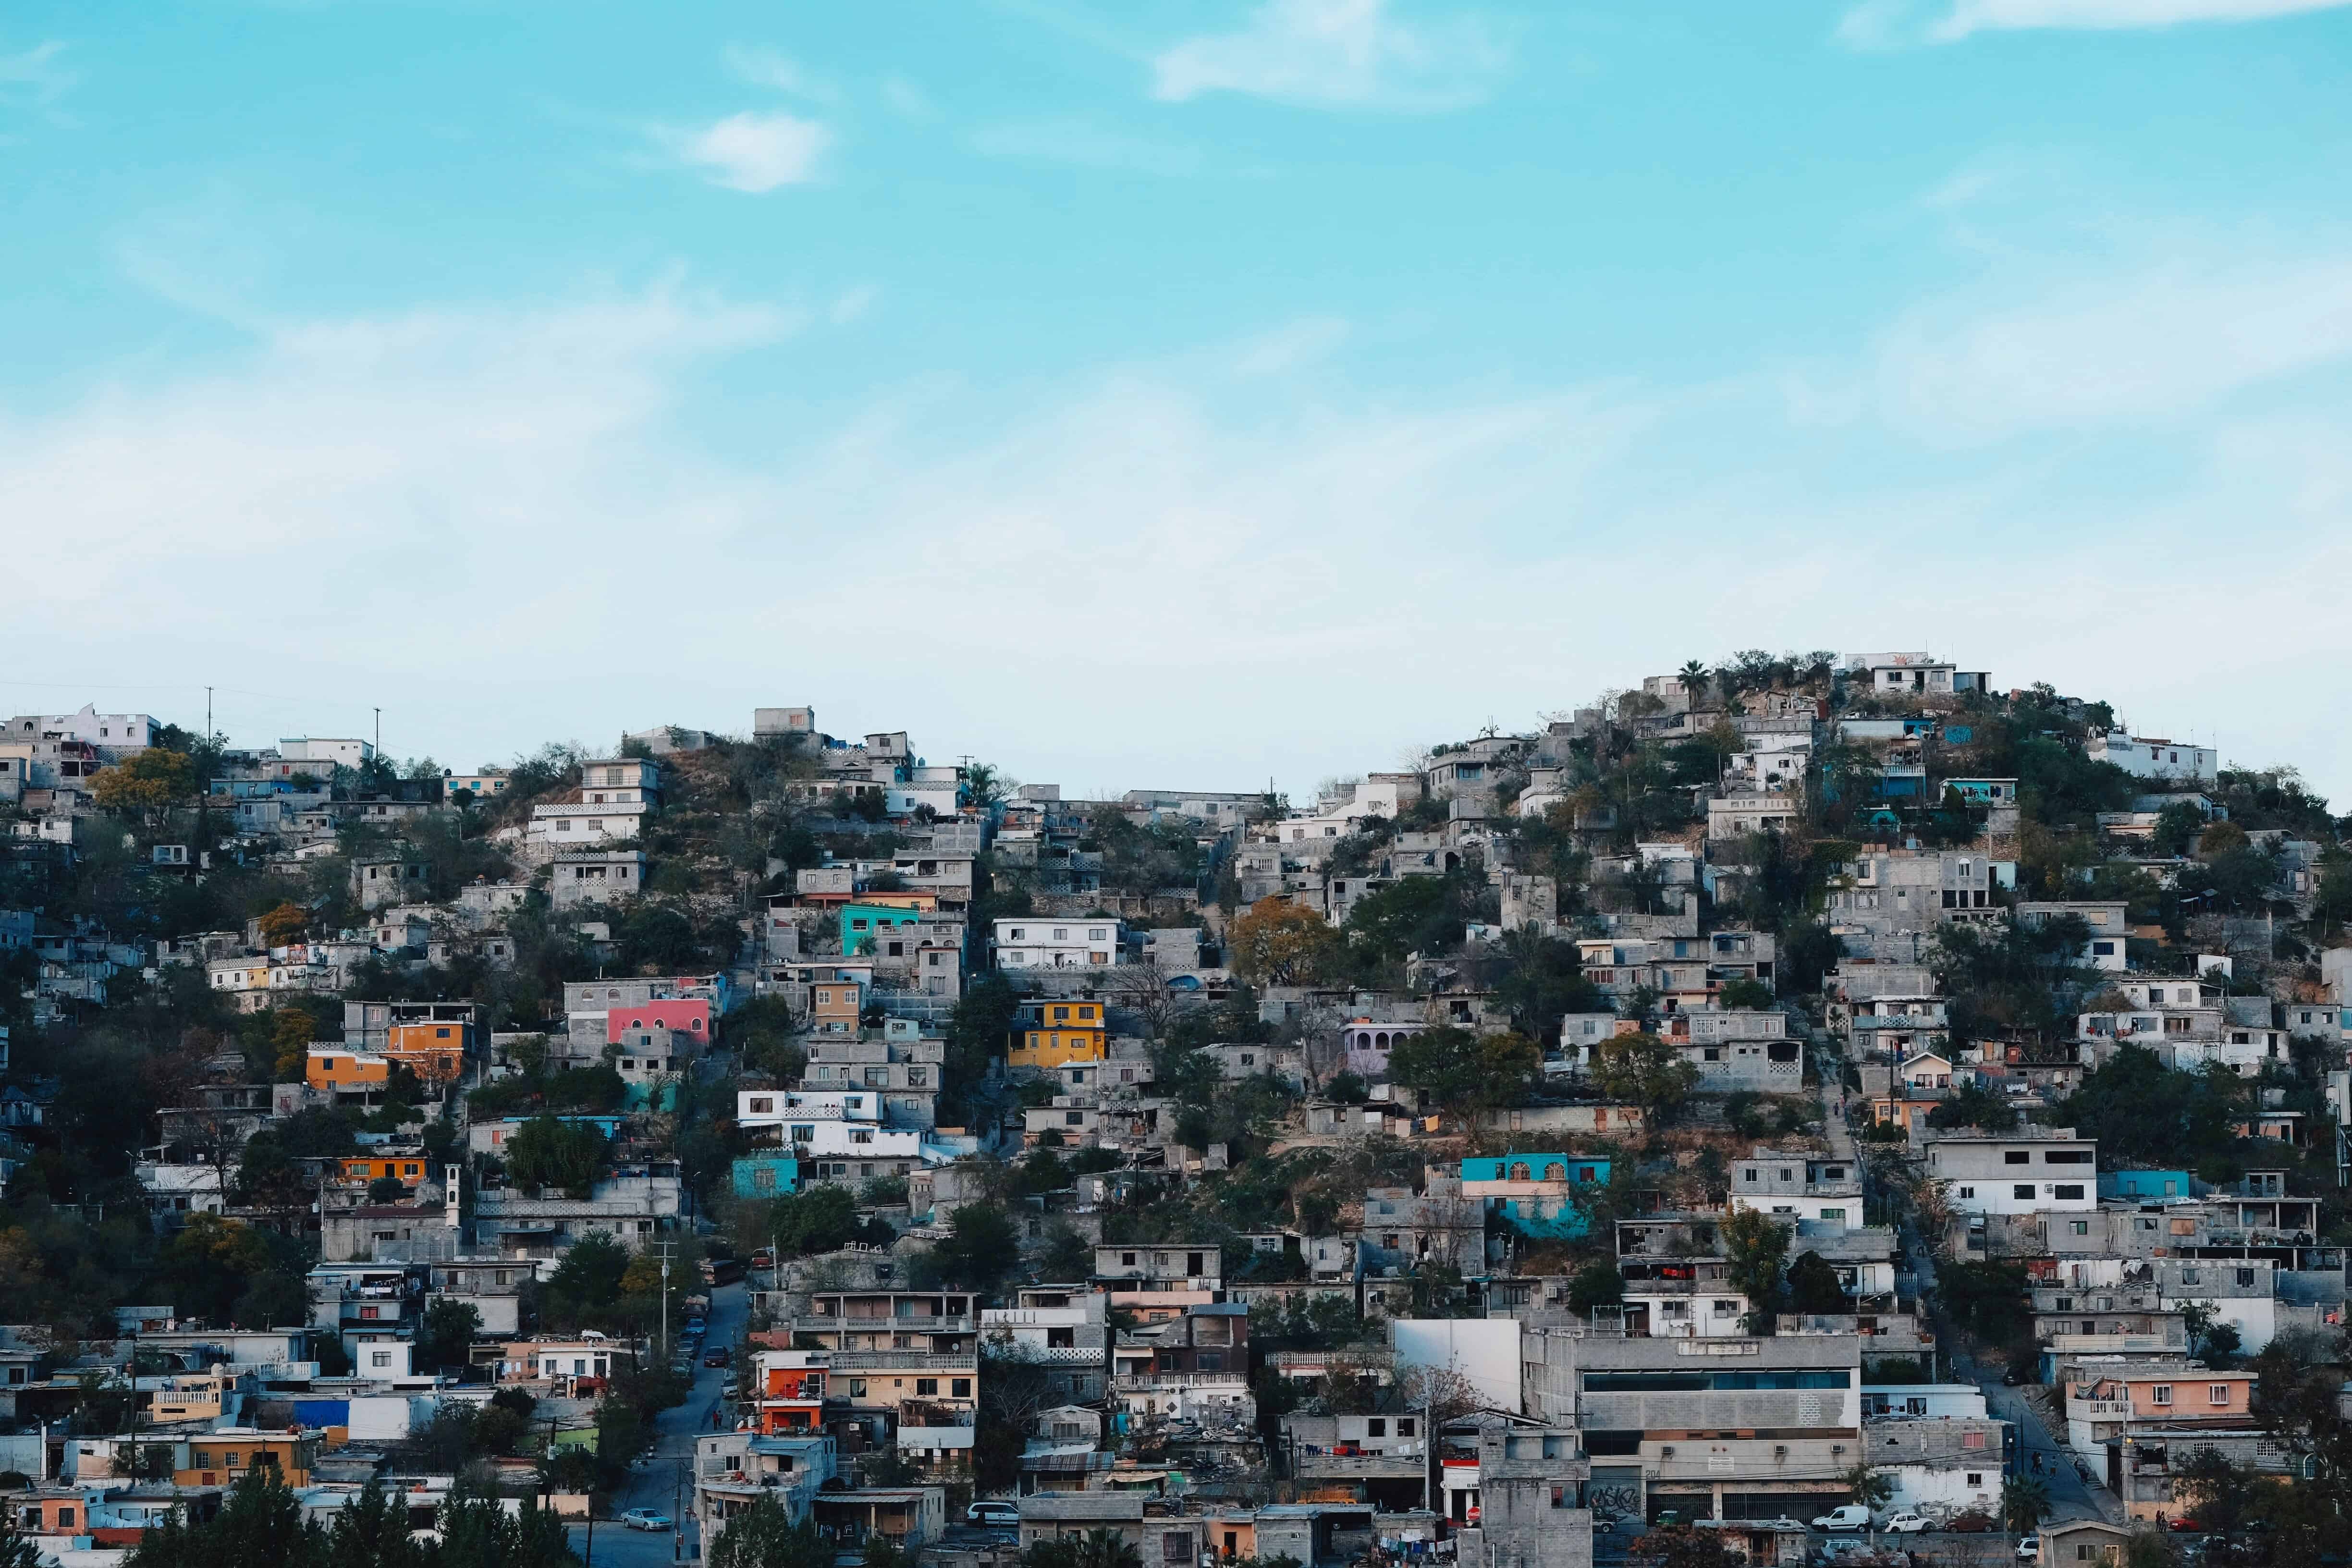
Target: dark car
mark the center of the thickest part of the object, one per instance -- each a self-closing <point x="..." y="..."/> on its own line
<point x="2012" y="1378"/>
<point x="716" y="1358"/>
<point x="1975" y="1520"/>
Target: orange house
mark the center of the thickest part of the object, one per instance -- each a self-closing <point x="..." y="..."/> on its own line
<point x="835" y="1005"/>
<point x="364" y="1169"/>
<point x="435" y="1053"/>
<point x="792" y="1399"/>
<point x="224" y="1458"/>
<point x="332" y="1068"/>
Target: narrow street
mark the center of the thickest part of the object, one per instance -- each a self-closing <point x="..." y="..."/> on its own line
<point x="664" y="1479"/>
<point x="2070" y="1496"/>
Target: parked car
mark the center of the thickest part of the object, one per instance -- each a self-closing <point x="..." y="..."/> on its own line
<point x="716" y="1358"/>
<point x="992" y="1511"/>
<point x="646" y="1519"/>
<point x="1908" y="1522"/>
<point x="763" y="1258"/>
<point x="2029" y="1548"/>
<point x="2184" y="1523"/>
<point x="1853" y="1516"/>
<point x="732" y="1390"/>
<point x="1974" y="1522"/>
<point x="2012" y="1378"/>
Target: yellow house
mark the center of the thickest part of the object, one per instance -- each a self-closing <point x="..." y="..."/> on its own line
<point x="1064" y="1032"/>
<point x="345" y="1069"/>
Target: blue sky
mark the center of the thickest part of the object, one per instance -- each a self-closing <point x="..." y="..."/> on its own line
<point x="1150" y="393"/>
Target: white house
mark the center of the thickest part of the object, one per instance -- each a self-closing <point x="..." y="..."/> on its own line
<point x="1920" y="673"/>
<point x="2149" y="757"/>
<point x="1056" y="942"/>
<point x="107" y="732"/>
<point x="583" y="825"/>
<point x="2005" y="1174"/>
<point x="338" y="753"/>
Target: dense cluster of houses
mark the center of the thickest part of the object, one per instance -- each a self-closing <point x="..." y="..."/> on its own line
<point x="1493" y="1405"/>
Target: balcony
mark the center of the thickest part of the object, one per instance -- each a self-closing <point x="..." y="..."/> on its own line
<point x="1138" y="1382"/>
<point x="912" y="1322"/>
<point x="1327" y="1466"/>
<point x="955" y="1363"/>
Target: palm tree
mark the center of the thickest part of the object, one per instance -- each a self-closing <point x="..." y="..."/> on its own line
<point x="2024" y="1500"/>
<point x="984" y="785"/>
<point x="1108" y="1549"/>
<point x="1693" y="679"/>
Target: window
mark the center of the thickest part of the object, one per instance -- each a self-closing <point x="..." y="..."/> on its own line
<point x="2160" y="1395"/>
<point x="1967" y="1192"/>
<point x="927" y="1386"/>
<point x="1976" y="1477"/>
<point x="1563" y="1497"/>
<point x="1972" y="1440"/>
<point x="962" y="1388"/>
<point x="2217" y="1394"/>
<point x="2082" y="1227"/>
<point x="2017" y="1156"/>
<point x="2022" y="1190"/>
<point x="2068" y="1189"/>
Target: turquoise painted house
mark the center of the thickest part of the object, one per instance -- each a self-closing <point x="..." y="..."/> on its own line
<point x="862" y="923"/>
<point x="766" y="1175"/>
<point x="1536" y="1192"/>
<point x="2145" y="1187"/>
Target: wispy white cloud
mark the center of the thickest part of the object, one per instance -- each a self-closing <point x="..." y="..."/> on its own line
<point x="2148" y="344"/>
<point x="1288" y="348"/>
<point x="767" y="68"/>
<point x="1071" y="139"/>
<point x="1888" y="23"/>
<point x="907" y="99"/>
<point x="36" y="76"/>
<point x="1337" y="53"/>
<point x="751" y="151"/>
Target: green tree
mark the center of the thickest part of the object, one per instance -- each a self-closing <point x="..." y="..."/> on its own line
<point x="446" y="1337"/>
<point x="548" y="1152"/>
<point x="1645" y="1070"/>
<point x="980" y="1247"/>
<point x="1744" y="992"/>
<point x="2025" y="1503"/>
<point x="1595" y="1285"/>
<point x="1461" y="1072"/>
<point x="1542" y="980"/>
<point x="1813" y="1286"/>
<point x="765" y="1536"/>
<point x="1755" y="1245"/>
<point x="261" y="1522"/>
<point x="1871" y="1489"/>
<point x="1973" y="1105"/>
<point x="587" y="1283"/>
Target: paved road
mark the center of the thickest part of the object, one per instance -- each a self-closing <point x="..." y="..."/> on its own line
<point x="2070" y="1497"/>
<point x="659" y="1482"/>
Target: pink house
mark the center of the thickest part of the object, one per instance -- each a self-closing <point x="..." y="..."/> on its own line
<point x="687" y="1016"/>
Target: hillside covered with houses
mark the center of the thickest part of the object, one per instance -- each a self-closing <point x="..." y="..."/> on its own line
<point x="1797" y="1098"/>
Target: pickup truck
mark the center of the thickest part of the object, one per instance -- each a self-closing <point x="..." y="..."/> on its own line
<point x="1853" y="1516"/>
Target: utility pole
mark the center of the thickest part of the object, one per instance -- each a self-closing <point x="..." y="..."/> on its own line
<point x="379" y="734"/>
<point x="665" y="1302"/>
<point x="208" y="715"/>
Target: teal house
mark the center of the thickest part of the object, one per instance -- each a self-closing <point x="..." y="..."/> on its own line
<point x="873" y="923"/>
<point x="766" y="1175"/>
<point x="2145" y="1187"/>
<point x="1537" y="1193"/>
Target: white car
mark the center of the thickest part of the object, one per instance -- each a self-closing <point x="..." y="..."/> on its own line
<point x="1905" y="1524"/>
<point x="2029" y="1548"/>
<point x="1853" y="1516"/>
<point x="992" y="1511"/>
<point x="644" y="1519"/>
